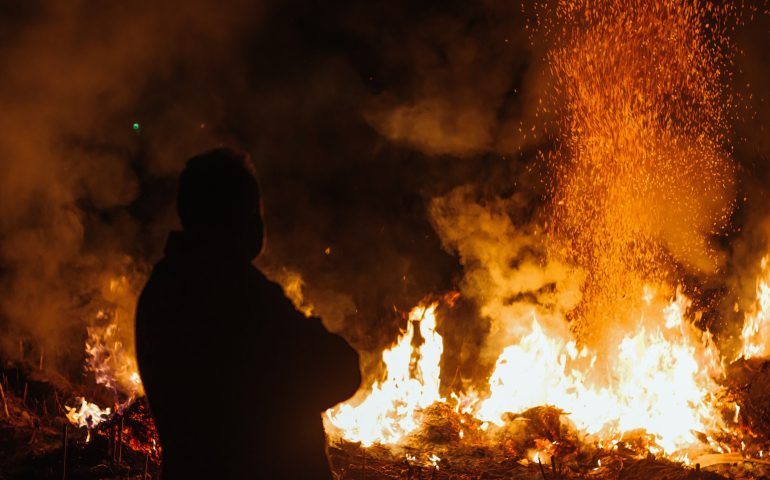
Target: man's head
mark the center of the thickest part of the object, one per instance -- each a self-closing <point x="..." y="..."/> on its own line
<point x="219" y="199"/>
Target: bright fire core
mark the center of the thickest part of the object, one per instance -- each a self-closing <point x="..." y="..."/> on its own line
<point x="661" y="382"/>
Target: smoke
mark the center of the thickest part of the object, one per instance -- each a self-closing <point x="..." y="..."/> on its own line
<point x="395" y="143"/>
<point x="473" y="87"/>
<point x="77" y="76"/>
<point x="102" y="104"/>
<point x="507" y="268"/>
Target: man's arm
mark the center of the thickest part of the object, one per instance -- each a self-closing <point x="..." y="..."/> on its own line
<point x="321" y="368"/>
<point x="328" y="366"/>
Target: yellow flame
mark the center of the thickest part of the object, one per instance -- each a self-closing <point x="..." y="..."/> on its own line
<point x="393" y="408"/>
<point x="756" y="333"/>
<point x="660" y="380"/>
<point x="112" y="361"/>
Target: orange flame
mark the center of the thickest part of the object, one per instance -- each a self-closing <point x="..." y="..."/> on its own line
<point x="756" y="326"/>
<point x="661" y="382"/>
<point x="392" y="409"/>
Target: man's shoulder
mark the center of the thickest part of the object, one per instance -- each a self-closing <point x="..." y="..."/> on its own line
<point x="270" y="288"/>
<point x="201" y="284"/>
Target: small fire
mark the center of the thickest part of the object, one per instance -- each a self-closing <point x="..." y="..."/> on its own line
<point x="392" y="409"/>
<point x="89" y="414"/>
<point x="756" y="326"/>
<point x="111" y="361"/>
<point x="113" y="365"/>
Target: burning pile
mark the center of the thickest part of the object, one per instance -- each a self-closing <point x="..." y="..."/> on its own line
<point x="663" y="384"/>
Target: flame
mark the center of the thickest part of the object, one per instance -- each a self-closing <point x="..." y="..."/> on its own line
<point x="659" y="381"/>
<point x="112" y="362"/>
<point x="393" y="408"/>
<point x="538" y="457"/>
<point x="111" y="358"/>
<point x="113" y="365"/>
<point x="756" y="331"/>
<point x="89" y="415"/>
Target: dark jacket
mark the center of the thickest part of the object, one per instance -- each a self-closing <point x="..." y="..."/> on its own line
<point x="235" y="376"/>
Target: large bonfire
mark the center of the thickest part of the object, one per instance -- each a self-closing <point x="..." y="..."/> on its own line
<point x="642" y="178"/>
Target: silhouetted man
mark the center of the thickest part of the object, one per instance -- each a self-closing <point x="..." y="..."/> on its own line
<point x="235" y="376"/>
